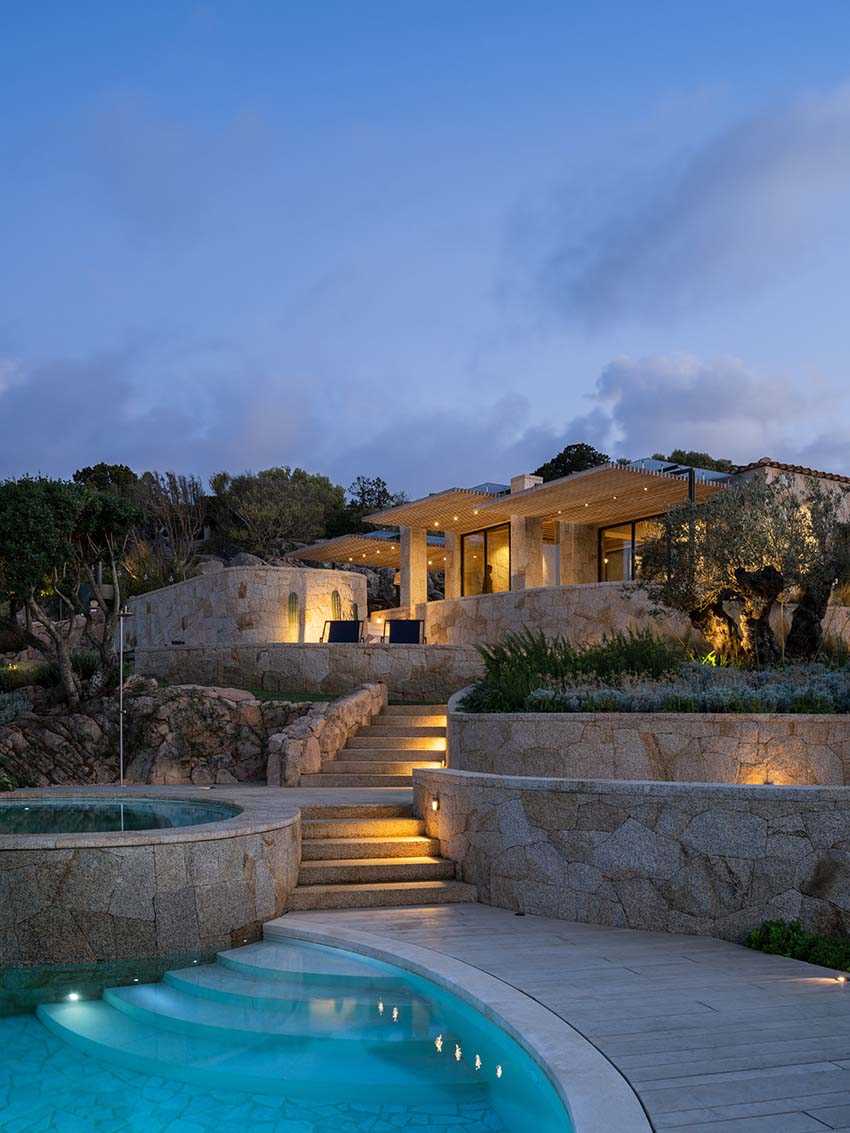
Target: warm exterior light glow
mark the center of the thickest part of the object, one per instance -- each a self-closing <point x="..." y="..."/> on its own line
<point x="454" y="517"/>
<point x="838" y="980"/>
<point x="435" y="804"/>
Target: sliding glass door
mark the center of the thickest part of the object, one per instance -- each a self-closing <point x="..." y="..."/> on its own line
<point x="486" y="561"/>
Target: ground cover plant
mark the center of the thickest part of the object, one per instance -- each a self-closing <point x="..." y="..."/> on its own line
<point x="639" y="672"/>
<point x="789" y="938"/>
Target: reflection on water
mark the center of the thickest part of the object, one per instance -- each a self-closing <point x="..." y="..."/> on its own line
<point x="97" y="816"/>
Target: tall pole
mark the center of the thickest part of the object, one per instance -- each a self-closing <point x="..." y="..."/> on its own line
<point x="124" y="613"/>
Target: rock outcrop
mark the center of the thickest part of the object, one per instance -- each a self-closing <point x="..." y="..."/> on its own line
<point x="177" y="734"/>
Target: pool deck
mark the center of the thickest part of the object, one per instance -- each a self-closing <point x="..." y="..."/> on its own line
<point x="712" y="1037"/>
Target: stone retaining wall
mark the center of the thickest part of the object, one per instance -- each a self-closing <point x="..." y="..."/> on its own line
<point x="415" y="673"/>
<point x="714" y="860"/>
<point x="683" y="747"/>
<point x="81" y="898"/>
<point x="303" y="747"/>
<point x="250" y="605"/>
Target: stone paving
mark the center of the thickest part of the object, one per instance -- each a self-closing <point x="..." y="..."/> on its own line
<point x="713" y="1037"/>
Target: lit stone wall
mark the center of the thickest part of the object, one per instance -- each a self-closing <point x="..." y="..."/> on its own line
<point x="715" y="860"/>
<point x="685" y="747"/>
<point x="580" y="613"/>
<point x="416" y="673"/>
<point x="246" y="605"/>
<point x="79" y="898"/>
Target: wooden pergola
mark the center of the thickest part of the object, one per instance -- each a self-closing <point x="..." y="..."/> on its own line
<point x="366" y="550"/>
<point x="603" y="496"/>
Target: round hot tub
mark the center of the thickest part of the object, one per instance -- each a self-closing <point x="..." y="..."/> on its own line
<point x="116" y="874"/>
<point x="102" y="816"/>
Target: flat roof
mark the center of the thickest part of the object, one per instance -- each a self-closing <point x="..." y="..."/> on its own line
<point x="378" y="548"/>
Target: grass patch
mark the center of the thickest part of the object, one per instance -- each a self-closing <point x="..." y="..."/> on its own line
<point x="789" y="938"/>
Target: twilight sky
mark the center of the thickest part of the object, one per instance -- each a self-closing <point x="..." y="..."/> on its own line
<point x="429" y="241"/>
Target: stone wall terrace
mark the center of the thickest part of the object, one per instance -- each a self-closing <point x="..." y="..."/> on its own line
<point x="415" y="673"/>
<point x="710" y="859"/>
<point x="665" y="746"/>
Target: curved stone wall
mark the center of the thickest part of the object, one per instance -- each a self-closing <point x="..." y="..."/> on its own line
<point x="671" y="747"/>
<point x="245" y="605"/>
<point x="679" y="857"/>
<point x="79" y="898"/>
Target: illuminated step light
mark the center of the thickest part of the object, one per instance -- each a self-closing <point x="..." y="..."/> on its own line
<point x="438" y="1043"/>
<point x="380" y="1006"/>
<point x="458" y="1053"/>
<point x="73" y="997"/>
<point x="498" y="1071"/>
<point x="395" y="1014"/>
<point x="478" y="1062"/>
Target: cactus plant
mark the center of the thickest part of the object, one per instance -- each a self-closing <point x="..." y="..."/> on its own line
<point x="292" y="615"/>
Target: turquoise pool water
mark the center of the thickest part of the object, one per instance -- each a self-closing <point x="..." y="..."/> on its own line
<point x="97" y="816"/>
<point x="273" y="1038"/>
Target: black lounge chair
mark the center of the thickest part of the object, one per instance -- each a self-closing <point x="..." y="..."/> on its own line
<point x="404" y="631"/>
<point x="338" y="632"/>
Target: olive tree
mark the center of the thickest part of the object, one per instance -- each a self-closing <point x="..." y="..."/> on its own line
<point x="726" y="563"/>
<point x="55" y="539"/>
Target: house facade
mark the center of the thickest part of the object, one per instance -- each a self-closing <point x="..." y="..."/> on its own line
<point x="544" y="555"/>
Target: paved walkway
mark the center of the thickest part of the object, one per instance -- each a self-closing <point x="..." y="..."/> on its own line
<point x="713" y="1037"/>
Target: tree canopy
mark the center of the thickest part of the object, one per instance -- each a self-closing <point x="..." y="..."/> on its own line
<point x="696" y="460"/>
<point x="576" y="457"/>
<point x="268" y="512"/>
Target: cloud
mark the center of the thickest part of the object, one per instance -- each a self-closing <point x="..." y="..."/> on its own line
<point x="201" y="407"/>
<point x="655" y="404"/>
<point x="759" y="202"/>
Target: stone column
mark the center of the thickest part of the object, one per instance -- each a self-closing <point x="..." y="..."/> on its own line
<point x="577" y="543"/>
<point x="414" y="567"/>
<point x="526" y="552"/>
<point x="452" y="565"/>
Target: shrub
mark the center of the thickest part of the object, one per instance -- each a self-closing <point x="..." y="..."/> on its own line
<point x="523" y="662"/>
<point x="789" y="938"/>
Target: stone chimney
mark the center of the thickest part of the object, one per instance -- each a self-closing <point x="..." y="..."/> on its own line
<point x="523" y="481"/>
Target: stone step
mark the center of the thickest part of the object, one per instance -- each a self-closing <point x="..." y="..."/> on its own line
<point x="356" y="810"/>
<point x="330" y="849"/>
<point x="314" y="828"/>
<point x="373" y="766"/>
<point x="407" y="731"/>
<point x="330" y="779"/>
<point x="404" y="755"/>
<point x="414" y="710"/>
<point x="379" y="894"/>
<point x="425" y="720"/>
<point x="367" y="738"/>
<point x="347" y="871"/>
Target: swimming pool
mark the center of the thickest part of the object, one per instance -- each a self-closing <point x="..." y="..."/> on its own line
<point x="282" y="1037"/>
<point x="95" y="816"/>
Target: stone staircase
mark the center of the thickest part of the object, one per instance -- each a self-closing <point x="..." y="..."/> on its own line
<point x="371" y="856"/>
<point x="385" y="752"/>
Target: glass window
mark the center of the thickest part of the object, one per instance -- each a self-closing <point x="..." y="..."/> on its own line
<point x="497" y="570"/>
<point x="487" y="561"/>
<point x="616" y="553"/>
<point x="646" y="530"/>
<point x="473" y="563"/>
